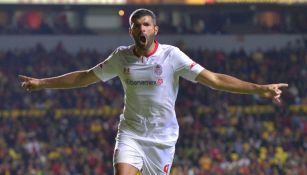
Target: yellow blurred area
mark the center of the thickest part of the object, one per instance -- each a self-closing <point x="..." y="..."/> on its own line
<point x="205" y="163"/>
<point x="246" y="147"/>
<point x="54" y="155"/>
<point x="195" y="2"/>
<point x="269" y="126"/>
<point x="262" y="154"/>
<point x="96" y="127"/>
<point x="234" y="156"/>
<point x="221" y="130"/>
<point x="280" y="156"/>
<point x="265" y="135"/>
<point x="108" y="111"/>
<point x="13" y="154"/>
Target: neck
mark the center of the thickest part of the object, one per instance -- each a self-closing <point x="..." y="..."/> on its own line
<point x="145" y="52"/>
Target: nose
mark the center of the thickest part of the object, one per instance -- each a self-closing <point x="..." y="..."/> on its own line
<point x="142" y="28"/>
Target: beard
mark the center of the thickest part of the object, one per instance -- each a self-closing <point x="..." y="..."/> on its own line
<point x="144" y="42"/>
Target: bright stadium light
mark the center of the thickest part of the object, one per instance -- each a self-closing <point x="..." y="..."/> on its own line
<point x="121" y="12"/>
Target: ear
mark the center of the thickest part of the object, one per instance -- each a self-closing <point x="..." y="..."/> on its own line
<point x="156" y="30"/>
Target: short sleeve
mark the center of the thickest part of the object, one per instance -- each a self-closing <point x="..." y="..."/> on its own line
<point x="108" y="69"/>
<point x="185" y="66"/>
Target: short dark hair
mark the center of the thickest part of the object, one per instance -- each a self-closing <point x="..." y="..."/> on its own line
<point x="138" y="13"/>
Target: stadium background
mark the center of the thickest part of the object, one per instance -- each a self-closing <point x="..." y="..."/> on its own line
<point x="72" y="131"/>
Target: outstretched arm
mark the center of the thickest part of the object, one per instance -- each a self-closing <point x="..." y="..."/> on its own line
<point x="231" y="84"/>
<point x="70" y="80"/>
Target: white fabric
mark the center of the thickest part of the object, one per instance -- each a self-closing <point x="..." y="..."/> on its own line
<point x="149" y="158"/>
<point x="151" y="88"/>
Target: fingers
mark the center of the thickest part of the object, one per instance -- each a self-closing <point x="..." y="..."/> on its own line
<point x="277" y="97"/>
<point x="276" y="91"/>
<point x="281" y="85"/>
<point x="24" y="78"/>
<point x="277" y="100"/>
<point x="25" y="82"/>
<point x="26" y="86"/>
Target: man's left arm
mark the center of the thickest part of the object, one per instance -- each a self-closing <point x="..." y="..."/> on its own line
<point x="231" y="84"/>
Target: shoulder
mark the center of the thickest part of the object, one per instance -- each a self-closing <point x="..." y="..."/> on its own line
<point x="166" y="47"/>
<point x="120" y="53"/>
<point x="174" y="52"/>
<point x="122" y="50"/>
<point x="170" y="50"/>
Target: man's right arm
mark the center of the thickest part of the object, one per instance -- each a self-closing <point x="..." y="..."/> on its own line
<point x="70" y="80"/>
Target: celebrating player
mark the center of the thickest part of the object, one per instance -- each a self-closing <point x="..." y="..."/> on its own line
<point x="149" y="72"/>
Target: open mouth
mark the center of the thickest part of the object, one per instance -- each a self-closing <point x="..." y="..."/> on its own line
<point x="143" y="39"/>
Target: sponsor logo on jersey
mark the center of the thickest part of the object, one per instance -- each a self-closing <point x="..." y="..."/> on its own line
<point x="158" y="69"/>
<point x="158" y="82"/>
<point x="166" y="169"/>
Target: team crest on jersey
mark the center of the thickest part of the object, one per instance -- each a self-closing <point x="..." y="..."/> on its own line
<point x="158" y="70"/>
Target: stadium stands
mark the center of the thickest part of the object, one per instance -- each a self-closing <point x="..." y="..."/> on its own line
<point x="73" y="131"/>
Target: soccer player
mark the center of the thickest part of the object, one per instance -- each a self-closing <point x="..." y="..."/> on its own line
<point x="149" y="72"/>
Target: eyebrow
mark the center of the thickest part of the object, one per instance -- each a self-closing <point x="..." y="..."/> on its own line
<point x="138" y="23"/>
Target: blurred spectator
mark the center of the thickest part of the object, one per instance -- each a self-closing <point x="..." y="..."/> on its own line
<point x="59" y="20"/>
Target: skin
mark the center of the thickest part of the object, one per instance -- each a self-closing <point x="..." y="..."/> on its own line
<point x="145" y="26"/>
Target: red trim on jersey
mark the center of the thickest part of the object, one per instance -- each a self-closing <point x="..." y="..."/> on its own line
<point x="155" y="49"/>
<point x="192" y="65"/>
<point x="151" y="53"/>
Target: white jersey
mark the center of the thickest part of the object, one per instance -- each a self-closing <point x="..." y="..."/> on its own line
<point x="151" y="87"/>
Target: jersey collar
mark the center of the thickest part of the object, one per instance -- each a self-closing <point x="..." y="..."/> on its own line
<point x="155" y="49"/>
<point x="151" y="53"/>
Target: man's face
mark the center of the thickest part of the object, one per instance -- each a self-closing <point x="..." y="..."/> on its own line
<point x="143" y="31"/>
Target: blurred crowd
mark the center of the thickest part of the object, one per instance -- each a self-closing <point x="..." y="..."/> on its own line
<point x="89" y="20"/>
<point x="216" y="142"/>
